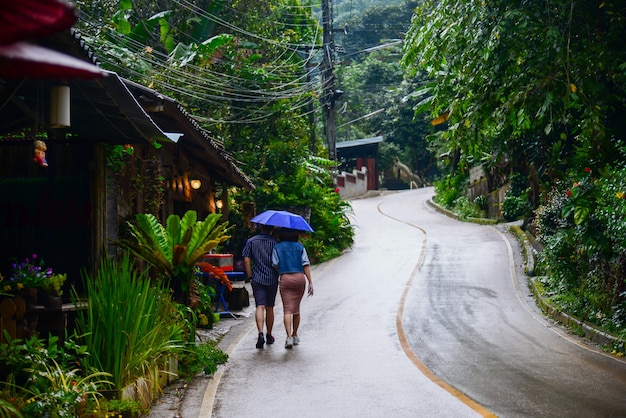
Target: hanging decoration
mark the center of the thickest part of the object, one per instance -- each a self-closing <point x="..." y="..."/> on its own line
<point x="40" y="153"/>
<point x="60" y="107"/>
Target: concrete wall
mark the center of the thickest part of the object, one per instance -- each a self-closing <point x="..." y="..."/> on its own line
<point x="352" y="184"/>
<point x="478" y="186"/>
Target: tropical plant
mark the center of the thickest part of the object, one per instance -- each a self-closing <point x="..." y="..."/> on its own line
<point x="206" y="297"/>
<point x="450" y="188"/>
<point x="127" y="340"/>
<point x="174" y="249"/>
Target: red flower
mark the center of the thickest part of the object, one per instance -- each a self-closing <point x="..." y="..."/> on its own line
<point x="568" y="193"/>
<point x="217" y="272"/>
<point x="587" y="170"/>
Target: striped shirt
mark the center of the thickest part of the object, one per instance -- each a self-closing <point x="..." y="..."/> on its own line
<point x="259" y="249"/>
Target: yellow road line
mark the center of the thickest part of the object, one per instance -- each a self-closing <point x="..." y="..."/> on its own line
<point x="406" y="347"/>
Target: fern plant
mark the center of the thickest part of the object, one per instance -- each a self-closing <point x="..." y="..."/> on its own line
<point x="174" y="249"/>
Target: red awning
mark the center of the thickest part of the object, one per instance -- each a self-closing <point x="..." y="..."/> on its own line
<point x="24" y="60"/>
<point x="29" y="19"/>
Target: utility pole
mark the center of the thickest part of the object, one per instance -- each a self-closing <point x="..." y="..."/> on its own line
<point x="328" y="78"/>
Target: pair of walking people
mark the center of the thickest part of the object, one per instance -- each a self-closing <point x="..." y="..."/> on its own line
<point x="273" y="264"/>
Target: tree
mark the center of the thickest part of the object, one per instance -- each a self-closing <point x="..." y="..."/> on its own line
<point x="377" y="83"/>
<point x="370" y="25"/>
<point x="541" y="81"/>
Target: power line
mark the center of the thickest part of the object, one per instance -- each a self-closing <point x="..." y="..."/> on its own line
<point x="207" y="85"/>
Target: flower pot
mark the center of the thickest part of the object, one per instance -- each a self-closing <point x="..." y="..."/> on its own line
<point x="52" y="302"/>
<point x="30" y="297"/>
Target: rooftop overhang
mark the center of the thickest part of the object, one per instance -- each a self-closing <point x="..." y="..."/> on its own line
<point x="112" y="110"/>
<point x="101" y="109"/>
<point x="171" y="116"/>
<point x="365" y="147"/>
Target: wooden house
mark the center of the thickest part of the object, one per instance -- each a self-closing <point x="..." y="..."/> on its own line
<point x="114" y="148"/>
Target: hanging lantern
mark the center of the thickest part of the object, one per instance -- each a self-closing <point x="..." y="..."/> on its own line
<point x="196" y="184"/>
<point x="60" y="107"/>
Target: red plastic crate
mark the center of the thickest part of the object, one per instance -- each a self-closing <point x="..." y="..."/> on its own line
<point x="223" y="261"/>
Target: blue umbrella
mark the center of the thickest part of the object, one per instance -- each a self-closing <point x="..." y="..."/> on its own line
<point x="283" y="219"/>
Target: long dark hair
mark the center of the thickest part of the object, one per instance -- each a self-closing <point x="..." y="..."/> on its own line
<point x="286" y="234"/>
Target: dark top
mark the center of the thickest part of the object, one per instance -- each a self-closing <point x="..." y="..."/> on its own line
<point x="259" y="249"/>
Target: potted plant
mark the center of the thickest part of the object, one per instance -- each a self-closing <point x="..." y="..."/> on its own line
<point x="27" y="277"/>
<point x="53" y="290"/>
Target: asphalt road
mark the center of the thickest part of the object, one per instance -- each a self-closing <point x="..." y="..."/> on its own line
<point x="424" y="317"/>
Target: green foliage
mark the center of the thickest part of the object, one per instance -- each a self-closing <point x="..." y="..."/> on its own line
<point x="117" y="156"/>
<point x="451" y="193"/>
<point x="127" y="340"/>
<point x="47" y="379"/>
<point x="60" y="392"/>
<point x="8" y="410"/>
<point x="581" y="226"/>
<point x="467" y="209"/>
<point x="54" y="284"/>
<point x="511" y="81"/>
<point x="206" y="297"/>
<point x="450" y="188"/>
<point x="174" y="249"/>
<point x="482" y="202"/>
<point x="200" y="358"/>
<point x="122" y="408"/>
<point x="377" y="83"/>
<point x="516" y="204"/>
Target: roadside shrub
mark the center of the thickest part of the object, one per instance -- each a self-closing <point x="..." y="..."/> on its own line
<point x="200" y="358"/>
<point x="516" y="204"/>
<point x="482" y="202"/>
<point x="581" y="225"/>
<point x="467" y="209"/>
<point x="449" y="189"/>
<point x="514" y="207"/>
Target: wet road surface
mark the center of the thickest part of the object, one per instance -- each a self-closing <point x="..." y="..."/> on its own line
<point x="424" y="317"/>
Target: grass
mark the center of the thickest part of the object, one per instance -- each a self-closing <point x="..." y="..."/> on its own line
<point x="128" y="324"/>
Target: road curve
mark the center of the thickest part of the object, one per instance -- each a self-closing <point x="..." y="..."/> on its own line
<point x="473" y="323"/>
<point x="425" y="316"/>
